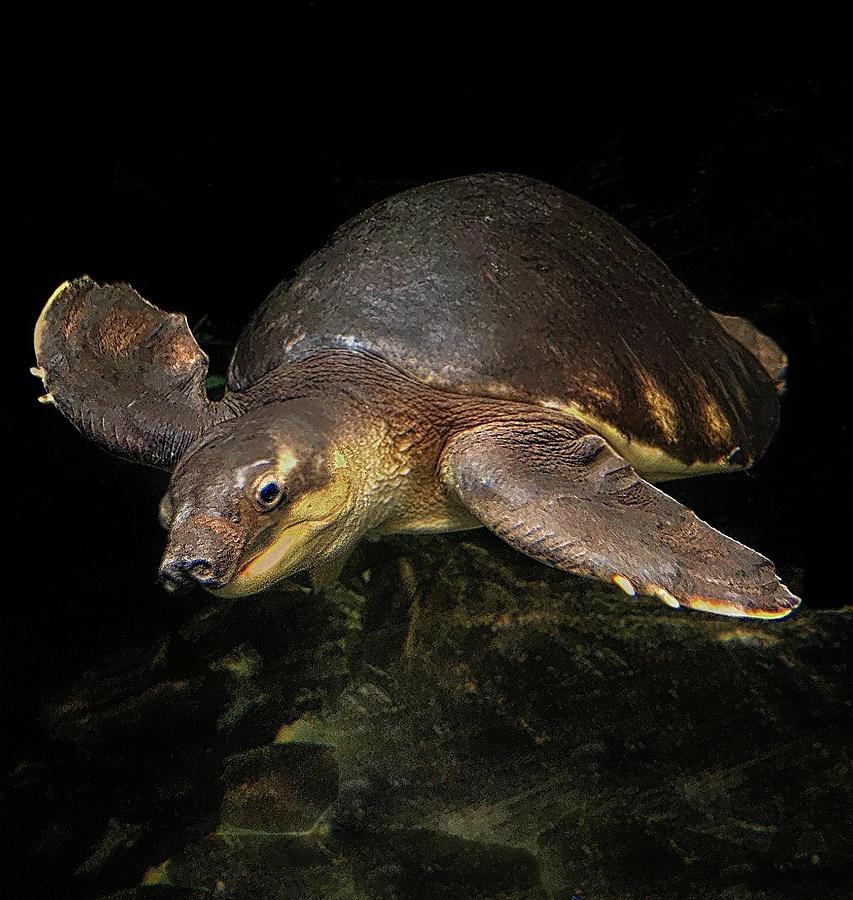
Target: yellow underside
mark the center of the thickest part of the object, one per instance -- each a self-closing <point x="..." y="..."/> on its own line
<point x="729" y="609"/>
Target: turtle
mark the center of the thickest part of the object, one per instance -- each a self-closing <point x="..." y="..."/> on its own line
<point x="487" y="350"/>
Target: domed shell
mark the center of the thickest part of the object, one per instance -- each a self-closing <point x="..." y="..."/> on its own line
<point x="503" y="286"/>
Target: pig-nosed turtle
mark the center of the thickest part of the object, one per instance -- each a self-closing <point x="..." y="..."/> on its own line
<point x="487" y="350"/>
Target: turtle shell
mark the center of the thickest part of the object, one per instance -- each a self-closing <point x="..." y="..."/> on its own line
<point x="501" y="285"/>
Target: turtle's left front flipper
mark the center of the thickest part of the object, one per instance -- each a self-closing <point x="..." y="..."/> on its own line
<point x="126" y="374"/>
<point x="563" y="496"/>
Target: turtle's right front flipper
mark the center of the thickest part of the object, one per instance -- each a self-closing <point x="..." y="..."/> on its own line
<point x="126" y="374"/>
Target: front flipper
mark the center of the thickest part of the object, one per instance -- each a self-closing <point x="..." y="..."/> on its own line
<point x="567" y="499"/>
<point x="126" y="374"/>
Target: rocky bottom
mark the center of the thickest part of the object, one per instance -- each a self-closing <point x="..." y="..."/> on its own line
<point x="451" y="720"/>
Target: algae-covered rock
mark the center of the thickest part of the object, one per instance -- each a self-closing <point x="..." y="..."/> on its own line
<point x="452" y="720"/>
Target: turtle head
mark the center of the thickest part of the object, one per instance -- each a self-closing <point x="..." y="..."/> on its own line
<point x="257" y="499"/>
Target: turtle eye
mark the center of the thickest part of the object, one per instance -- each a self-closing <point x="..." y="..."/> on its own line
<point x="269" y="494"/>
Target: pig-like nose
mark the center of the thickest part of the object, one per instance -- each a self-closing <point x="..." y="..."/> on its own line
<point x="179" y="573"/>
<point x="203" y="549"/>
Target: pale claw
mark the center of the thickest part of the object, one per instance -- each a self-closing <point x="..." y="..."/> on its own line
<point x="622" y="582"/>
<point x="663" y="594"/>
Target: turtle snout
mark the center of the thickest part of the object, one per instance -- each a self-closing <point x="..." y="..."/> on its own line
<point x="203" y="550"/>
<point x="179" y="573"/>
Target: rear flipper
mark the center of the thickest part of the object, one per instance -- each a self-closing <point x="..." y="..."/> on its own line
<point x="764" y="349"/>
<point x="567" y="499"/>
<point x="126" y="374"/>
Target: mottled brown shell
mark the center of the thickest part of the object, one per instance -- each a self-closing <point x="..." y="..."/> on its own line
<point x="504" y="286"/>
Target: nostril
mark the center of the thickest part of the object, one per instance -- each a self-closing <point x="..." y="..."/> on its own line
<point x="176" y="574"/>
<point x="200" y="568"/>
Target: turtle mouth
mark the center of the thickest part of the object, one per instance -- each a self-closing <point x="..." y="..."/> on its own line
<point x="181" y="574"/>
<point x="285" y="554"/>
<point x="277" y="546"/>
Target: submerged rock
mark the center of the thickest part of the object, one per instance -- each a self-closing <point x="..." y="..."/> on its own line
<point x="455" y="721"/>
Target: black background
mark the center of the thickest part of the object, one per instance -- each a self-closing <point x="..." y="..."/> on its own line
<point x="741" y="182"/>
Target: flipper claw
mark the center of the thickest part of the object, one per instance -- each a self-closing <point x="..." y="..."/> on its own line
<point x="625" y="584"/>
<point x="655" y="590"/>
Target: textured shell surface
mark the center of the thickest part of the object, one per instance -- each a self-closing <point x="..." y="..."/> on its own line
<point x="501" y="285"/>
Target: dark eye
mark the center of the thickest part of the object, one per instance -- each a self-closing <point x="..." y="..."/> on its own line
<point x="269" y="494"/>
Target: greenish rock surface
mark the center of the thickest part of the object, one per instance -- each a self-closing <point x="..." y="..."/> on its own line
<point x="453" y="720"/>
